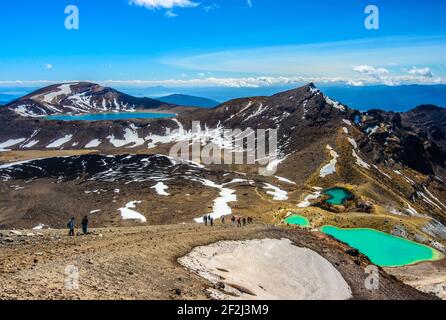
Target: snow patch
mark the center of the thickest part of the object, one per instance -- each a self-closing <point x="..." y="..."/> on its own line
<point x="93" y="144"/>
<point x="306" y="203"/>
<point x="221" y="207"/>
<point x="277" y="193"/>
<point x="161" y="188"/>
<point x="360" y="162"/>
<point x="60" y="142"/>
<point x="10" y="143"/>
<point x="331" y="167"/>
<point x="282" y="179"/>
<point x="128" y="214"/>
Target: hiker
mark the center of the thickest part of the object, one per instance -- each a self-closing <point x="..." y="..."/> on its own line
<point x="70" y="226"/>
<point x="222" y="220"/>
<point x="212" y="221"/>
<point x="239" y="222"/>
<point x="205" y="219"/>
<point x="85" y="225"/>
<point x="244" y="221"/>
<point x="233" y="220"/>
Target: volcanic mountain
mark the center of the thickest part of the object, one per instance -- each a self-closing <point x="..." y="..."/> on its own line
<point x="79" y="97"/>
<point x="393" y="163"/>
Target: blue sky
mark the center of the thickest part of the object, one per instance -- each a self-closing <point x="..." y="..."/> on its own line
<point x="234" y="43"/>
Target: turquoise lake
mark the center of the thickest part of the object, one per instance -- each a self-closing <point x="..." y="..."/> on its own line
<point x="384" y="249"/>
<point x="298" y="221"/>
<point x="338" y="196"/>
<point x="111" y="116"/>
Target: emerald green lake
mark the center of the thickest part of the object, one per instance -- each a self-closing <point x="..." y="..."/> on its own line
<point x="384" y="249"/>
<point x="298" y="221"/>
<point x="338" y="196"/>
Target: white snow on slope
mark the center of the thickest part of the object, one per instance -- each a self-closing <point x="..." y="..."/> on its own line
<point x="25" y="110"/>
<point x="353" y="142"/>
<point x="10" y="143"/>
<point x="258" y="112"/>
<point x="221" y="207"/>
<point x="161" y="188"/>
<point x="306" y="203"/>
<point x="331" y="167"/>
<point x="277" y="193"/>
<point x="131" y="138"/>
<point x="93" y="144"/>
<point x="334" y="104"/>
<point x="270" y="269"/>
<point x="64" y="89"/>
<point x="347" y="122"/>
<point x="285" y="180"/>
<point x="128" y="214"/>
<point x="409" y="181"/>
<point x="40" y="226"/>
<point x="60" y="142"/>
<point x="434" y="197"/>
<point x="411" y="210"/>
<point x="382" y="172"/>
<point x="359" y="161"/>
<point x="30" y="144"/>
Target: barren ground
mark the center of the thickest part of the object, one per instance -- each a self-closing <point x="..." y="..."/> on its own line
<point x="141" y="262"/>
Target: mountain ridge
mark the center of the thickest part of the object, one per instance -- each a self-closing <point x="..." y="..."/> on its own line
<point x="78" y="98"/>
<point x="189" y="101"/>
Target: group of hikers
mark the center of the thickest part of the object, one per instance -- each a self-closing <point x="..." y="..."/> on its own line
<point x="208" y="220"/>
<point x="72" y="224"/>
<point x="236" y="221"/>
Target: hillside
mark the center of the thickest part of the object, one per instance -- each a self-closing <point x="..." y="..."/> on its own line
<point x="121" y="173"/>
<point x="189" y="101"/>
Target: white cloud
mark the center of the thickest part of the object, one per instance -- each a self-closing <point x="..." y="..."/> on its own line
<point x="249" y="3"/>
<point x="242" y="82"/>
<point x="170" y="14"/>
<point x="211" y="7"/>
<point x="423" y="72"/>
<point x="355" y="83"/>
<point x="379" y="74"/>
<point x="164" y="4"/>
<point x="49" y="66"/>
<point x="371" y="71"/>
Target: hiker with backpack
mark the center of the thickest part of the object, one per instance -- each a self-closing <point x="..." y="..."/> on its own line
<point x="85" y="225"/>
<point x="70" y="226"/>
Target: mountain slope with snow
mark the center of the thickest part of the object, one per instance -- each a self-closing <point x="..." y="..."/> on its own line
<point x="78" y="98"/>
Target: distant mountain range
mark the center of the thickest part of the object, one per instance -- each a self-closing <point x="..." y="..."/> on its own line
<point x="189" y="101"/>
<point x="388" y="98"/>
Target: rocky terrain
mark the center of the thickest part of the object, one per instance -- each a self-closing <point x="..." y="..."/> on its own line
<point x="121" y="175"/>
<point x="141" y="263"/>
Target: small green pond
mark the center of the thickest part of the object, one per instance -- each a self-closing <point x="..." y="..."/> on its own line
<point x="384" y="249"/>
<point x="297" y="220"/>
<point x="338" y="196"/>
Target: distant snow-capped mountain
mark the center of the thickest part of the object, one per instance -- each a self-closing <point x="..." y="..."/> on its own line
<point x="76" y="98"/>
